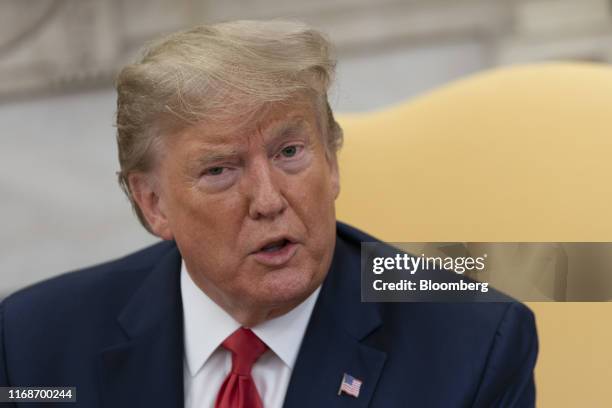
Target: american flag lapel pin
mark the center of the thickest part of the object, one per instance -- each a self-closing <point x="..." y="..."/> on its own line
<point x="350" y="385"/>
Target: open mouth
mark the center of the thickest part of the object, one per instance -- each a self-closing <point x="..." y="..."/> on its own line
<point x="276" y="252"/>
<point x="275" y="246"/>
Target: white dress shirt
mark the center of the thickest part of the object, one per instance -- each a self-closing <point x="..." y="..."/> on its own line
<point x="206" y="363"/>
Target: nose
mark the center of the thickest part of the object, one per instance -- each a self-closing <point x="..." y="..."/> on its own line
<point x="266" y="198"/>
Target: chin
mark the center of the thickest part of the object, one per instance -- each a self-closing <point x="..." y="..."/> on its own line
<point x="285" y="287"/>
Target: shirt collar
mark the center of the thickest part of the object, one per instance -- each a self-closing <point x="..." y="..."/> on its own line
<point x="206" y="325"/>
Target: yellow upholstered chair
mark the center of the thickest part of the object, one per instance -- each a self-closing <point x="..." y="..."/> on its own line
<point x="517" y="154"/>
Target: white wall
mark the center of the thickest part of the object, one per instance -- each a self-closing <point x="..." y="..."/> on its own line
<point x="374" y="80"/>
<point x="61" y="206"/>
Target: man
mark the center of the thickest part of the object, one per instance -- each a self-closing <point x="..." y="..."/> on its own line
<point x="227" y="148"/>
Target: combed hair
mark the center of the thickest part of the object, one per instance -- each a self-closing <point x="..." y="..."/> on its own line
<point x="214" y="72"/>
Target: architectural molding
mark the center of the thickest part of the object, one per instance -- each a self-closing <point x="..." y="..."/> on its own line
<point x="52" y="45"/>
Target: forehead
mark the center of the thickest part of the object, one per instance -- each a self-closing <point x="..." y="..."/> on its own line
<point x="243" y="126"/>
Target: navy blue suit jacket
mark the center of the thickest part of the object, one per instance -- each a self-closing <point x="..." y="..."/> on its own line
<point x="115" y="332"/>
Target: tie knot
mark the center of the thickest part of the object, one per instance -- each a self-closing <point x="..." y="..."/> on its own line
<point x="246" y="348"/>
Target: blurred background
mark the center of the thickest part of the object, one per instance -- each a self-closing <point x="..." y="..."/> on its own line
<point x="62" y="208"/>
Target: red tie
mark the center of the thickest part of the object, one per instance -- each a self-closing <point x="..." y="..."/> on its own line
<point x="238" y="389"/>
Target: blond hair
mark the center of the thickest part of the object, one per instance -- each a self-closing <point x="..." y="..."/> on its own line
<point x="214" y="72"/>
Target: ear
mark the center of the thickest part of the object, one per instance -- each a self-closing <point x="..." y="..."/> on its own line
<point x="145" y="191"/>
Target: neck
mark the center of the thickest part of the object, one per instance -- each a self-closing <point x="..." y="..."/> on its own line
<point x="248" y="314"/>
<point x="251" y="317"/>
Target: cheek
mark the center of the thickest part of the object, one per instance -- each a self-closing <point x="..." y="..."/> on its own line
<point x="207" y="232"/>
<point x="319" y="192"/>
<point x="313" y="202"/>
<point x="210" y="221"/>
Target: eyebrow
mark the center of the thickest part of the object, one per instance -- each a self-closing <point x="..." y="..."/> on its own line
<point x="287" y="129"/>
<point x="222" y="153"/>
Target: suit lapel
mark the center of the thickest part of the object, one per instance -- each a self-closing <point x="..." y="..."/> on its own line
<point x="334" y="341"/>
<point x="146" y="368"/>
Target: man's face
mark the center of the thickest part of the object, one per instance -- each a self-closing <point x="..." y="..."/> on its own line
<point x="251" y="208"/>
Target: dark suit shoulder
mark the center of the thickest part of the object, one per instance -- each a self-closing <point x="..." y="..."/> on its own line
<point x="52" y="332"/>
<point x="476" y="316"/>
<point x="482" y="352"/>
<point x="353" y="236"/>
<point x="101" y="288"/>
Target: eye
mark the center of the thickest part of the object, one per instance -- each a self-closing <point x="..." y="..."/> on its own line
<point x="214" y="171"/>
<point x="290" y="151"/>
<point x="218" y="178"/>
